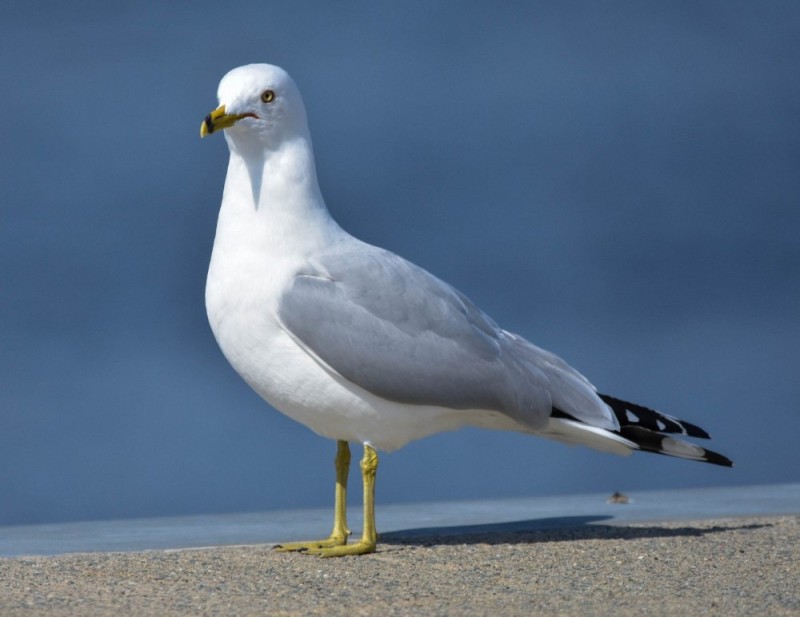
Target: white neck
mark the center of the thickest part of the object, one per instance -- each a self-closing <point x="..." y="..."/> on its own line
<point x="272" y="202"/>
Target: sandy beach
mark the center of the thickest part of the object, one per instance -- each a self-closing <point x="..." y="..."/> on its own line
<point x="731" y="566"/>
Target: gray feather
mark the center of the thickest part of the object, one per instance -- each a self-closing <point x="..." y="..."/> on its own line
<point x="402" y="334"/>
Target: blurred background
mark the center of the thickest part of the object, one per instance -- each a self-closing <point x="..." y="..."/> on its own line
<point x="617" y="181"/>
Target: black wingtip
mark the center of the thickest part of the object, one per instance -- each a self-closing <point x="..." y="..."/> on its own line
<point x="659" y="443"/>
<point x="649" y="429"/>
<point x="692" y="430"/>
<point x="715" y="458"/>
<point x="631" y="414"/>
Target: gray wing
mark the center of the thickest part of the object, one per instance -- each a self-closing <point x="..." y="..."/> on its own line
<point x="402" y="334"/>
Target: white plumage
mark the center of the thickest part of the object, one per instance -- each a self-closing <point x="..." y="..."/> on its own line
<point x="356" y="343"/>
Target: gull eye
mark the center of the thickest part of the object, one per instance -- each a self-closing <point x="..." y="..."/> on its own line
<point x="267" y="96"/>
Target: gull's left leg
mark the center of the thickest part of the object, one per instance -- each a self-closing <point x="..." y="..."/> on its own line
<point x="340" y="531"/>
<point x="369" y="537"/>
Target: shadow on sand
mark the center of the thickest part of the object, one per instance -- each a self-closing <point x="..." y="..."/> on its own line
<point x="557" y="529"/>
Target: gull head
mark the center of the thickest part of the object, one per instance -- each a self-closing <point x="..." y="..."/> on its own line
<point x="259" y="106"/>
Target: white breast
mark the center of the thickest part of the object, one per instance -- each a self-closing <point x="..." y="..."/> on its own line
<point x="264" y="237"/>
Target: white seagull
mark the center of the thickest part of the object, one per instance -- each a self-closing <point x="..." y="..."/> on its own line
<point x="359" y="344"/>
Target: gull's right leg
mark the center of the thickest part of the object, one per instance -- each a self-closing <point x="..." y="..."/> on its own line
<point x="340" y="531"/>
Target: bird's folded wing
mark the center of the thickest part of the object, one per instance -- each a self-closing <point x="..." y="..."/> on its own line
<point x="402" y="334"/>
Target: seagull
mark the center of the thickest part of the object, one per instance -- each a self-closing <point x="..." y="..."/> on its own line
<point x="362" y="346"/>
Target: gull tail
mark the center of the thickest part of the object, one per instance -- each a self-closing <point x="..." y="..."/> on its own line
<point x="650" y="431"/>
<point x="641" y="428"/>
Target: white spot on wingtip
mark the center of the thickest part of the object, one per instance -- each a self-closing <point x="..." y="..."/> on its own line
<point x="682" y="449"/>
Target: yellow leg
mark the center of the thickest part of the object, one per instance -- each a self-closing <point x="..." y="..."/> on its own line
<point x="369" y="537"/>
<point x="340" y="531"/>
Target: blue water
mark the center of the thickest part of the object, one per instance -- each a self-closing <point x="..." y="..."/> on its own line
<point x="616" y="182"/>
<point x="457" y="521"/>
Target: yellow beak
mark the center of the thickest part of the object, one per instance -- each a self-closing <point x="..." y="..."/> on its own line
<point x="218" y="119"/>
